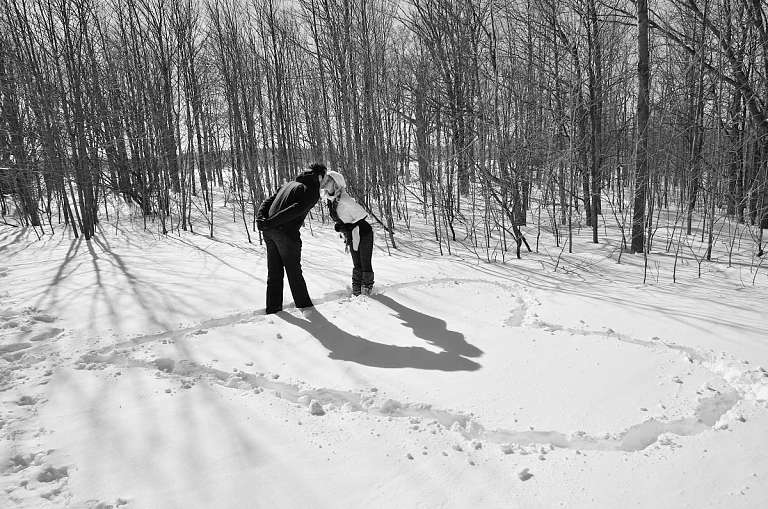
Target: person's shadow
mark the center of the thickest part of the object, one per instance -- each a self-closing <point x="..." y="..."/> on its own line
<point x="344" y="346"/>
<point x="430" y="329"/>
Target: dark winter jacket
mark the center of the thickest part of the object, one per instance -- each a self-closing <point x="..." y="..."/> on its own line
<point x="287" y="208"/>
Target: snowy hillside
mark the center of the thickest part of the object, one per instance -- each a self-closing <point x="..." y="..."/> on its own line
<point x="139" y="370"/>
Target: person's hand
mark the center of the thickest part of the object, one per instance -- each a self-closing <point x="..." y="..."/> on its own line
<point x="339" y="227"/>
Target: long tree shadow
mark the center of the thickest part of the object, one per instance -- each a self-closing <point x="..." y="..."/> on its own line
<point x="346" y="347"/>
<point x="14" y="239"/>
<point x="432" y="330"/>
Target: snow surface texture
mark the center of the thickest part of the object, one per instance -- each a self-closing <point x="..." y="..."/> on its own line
<point x="139" y="371"/>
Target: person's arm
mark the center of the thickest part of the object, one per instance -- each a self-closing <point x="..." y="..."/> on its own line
<point x="264" y="208"/>
<point x="261" y="216"/>
<point x="295" y="210"/>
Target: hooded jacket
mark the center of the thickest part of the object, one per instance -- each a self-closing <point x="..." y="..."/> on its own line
<point x="342" y="206"/>
<point x="287" y="208"/>
<point x="346" y="211"/>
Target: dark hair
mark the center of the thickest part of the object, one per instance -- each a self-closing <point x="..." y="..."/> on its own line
<point x="318" y="169"/>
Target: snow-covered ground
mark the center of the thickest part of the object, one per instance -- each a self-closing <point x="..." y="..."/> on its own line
<point x="139" y="370"/>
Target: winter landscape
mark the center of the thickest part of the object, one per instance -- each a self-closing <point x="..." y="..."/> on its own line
<point x="139" y="369"/>
<point x="532" y="233"/>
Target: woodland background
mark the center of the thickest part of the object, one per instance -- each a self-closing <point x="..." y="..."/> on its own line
<point x="486" y="120"/>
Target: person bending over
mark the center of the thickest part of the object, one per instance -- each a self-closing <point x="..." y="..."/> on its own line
<point x="279" y="218"/>
<point x="350" y="219"/>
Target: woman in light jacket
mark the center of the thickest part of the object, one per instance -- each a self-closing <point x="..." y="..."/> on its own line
<point x="350" y="219"/>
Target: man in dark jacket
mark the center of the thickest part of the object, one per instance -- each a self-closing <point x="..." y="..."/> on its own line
<point x="280" y="217"/>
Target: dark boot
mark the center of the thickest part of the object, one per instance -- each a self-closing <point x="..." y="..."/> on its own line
<point x="367" y="282"/>
<point x="357" y="281"/>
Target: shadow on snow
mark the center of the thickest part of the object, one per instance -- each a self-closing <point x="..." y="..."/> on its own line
<point x="347" y="347"/>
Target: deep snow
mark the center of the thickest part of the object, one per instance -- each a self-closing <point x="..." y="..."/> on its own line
<point x="138" y="370"/>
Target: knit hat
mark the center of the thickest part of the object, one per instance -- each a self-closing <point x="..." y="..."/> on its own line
<point x="338" y="178"/>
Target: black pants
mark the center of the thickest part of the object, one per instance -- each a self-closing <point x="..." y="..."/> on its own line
<point x="284" y="253"/>
<point x="362" y="272"/>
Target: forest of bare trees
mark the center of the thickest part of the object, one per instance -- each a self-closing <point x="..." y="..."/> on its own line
<point x="483" y="119"/>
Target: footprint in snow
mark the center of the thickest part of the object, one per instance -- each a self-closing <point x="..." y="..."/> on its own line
<point x="9" y="324"/>
<point x="164" y="364"/>
<point x="13" y="347"/>
<point x="315" y="408"/>
<point x="7" y="313"/>
<point x="51" y="474"/>
<point x="26" y="401"/>
<point x="44" y="318"/>
<point x="19" y="462"/>
<point x="524" y="474"/>
<point x="94" y="504"/>
<point x="49" y="333"/>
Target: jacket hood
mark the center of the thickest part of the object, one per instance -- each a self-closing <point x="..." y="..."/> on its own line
<point x="309" y="179"/>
